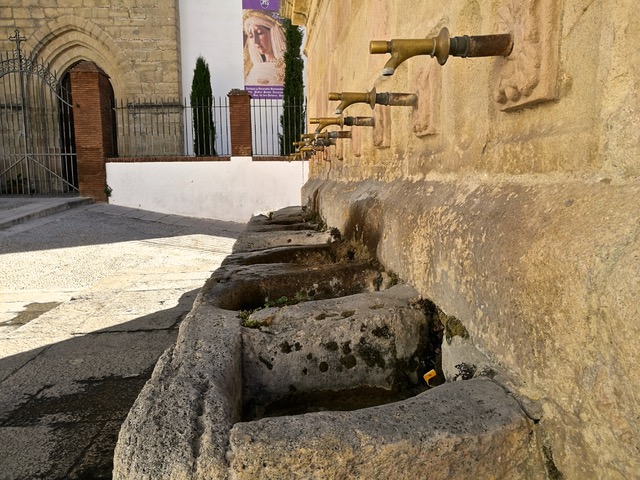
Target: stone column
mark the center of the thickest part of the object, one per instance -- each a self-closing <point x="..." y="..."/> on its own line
<point x="240" y="122"/>
<point x="91" y="96"/>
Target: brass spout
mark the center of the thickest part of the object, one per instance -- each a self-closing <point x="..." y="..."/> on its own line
<point x="359" y="121"/>
<point x="333" y="135"/>
<point x="373" y="98"/>
<point x="323" y="142"/>
<point x="441" y="47"/>
<point x="402" y="49"/>
<point x="349" y="98"/>
<point x="296" y="154"/>
<point x="324" y="122"/>
<point x="340" y="121"/>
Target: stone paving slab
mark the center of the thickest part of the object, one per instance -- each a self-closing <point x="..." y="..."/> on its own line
<point x="21" y="209"/>
<point x="107" y="288"/>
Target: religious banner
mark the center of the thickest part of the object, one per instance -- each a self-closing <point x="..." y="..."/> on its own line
<point x="264" y="47"/>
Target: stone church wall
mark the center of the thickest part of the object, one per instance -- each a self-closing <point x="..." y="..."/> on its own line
<point x="136" y="42"/>
<point x="508" y="196"/>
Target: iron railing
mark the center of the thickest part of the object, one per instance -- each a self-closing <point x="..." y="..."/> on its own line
<point x="275" y="124"/>
<point x="146" y="128"/>
<point x="167" y="128"/>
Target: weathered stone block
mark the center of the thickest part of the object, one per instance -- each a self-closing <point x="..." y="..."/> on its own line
<point x="470" y="429"/>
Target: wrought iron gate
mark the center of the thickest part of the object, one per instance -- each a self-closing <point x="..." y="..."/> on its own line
<point x="37" y="145"/>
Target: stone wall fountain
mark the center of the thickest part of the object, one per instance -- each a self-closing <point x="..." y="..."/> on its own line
<point x="303" y="358"/>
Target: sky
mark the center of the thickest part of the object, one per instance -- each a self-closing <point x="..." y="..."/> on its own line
<point x="213" y="29"/>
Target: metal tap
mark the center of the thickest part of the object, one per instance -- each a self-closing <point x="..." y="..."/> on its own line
<point x="372" y="98"/>
<point x="324" y="142"/>
<point x="324" y="122"/>
<point x="333" y="135"/>
<point x="359" y="121"/>
<point x="307" y="149"/>
<point x="441" y="47"/>
<point x="341" y="122"/>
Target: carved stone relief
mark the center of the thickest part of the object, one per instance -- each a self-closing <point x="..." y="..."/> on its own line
<point x="356" y="141"/>
<point x="339" y="149"/>
<point x="382" y="128"/>
<point x="427" y="114"/>
<point x="530" y="74"/>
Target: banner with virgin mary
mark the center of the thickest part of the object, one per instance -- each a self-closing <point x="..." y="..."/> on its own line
<point x="264" y="47"/>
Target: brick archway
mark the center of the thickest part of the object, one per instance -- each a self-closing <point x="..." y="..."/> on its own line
<point x="68" y="40"/>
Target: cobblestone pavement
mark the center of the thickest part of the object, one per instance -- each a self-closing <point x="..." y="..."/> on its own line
<point x="90" y="297"/>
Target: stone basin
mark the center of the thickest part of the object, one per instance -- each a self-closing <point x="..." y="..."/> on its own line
<point x="330" y="387"/>
<point x="462" y="430"/>
<point x="313" y="254"/>
<point x="337" y="354"/>
<point x="254" y="286"/>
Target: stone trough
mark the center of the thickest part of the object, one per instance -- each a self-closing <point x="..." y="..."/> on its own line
<point x="302" y="358"/>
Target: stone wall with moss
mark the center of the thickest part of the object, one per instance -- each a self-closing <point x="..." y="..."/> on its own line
<point x="508" y="196"/>
<point x="136" y="42"/>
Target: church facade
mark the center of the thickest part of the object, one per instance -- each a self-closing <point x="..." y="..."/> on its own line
<point x="135" y="42"/>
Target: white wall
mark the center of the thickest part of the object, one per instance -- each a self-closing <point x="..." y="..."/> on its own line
<point x="231" y="190"/>
<point x="212" y="29"/>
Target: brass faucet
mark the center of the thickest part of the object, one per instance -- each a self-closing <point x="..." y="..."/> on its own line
<point x="297" y="154"/>
<point x="340" y="121"/>
<point x="324" y="122"/>
<point x="349" y="98"/>
<point x="359" y="121"/>
<point x="333" y="135"/>
<point x="328" y="139"/>
<point x="441" y="47"/>
<point x="373" y="98"/>
<point x="307" y="149"/>
<point x="324" y="142"/>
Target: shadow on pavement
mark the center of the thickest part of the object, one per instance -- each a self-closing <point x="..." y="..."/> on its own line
<point x="61" y="406"/>
<point x="96" y="228"/>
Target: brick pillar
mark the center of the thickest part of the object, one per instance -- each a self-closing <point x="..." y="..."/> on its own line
<point x="91" y="96"/>
<point x="240" y="122"/>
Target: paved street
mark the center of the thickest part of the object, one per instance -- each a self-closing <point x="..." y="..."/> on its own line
<point x="90" y="297"/>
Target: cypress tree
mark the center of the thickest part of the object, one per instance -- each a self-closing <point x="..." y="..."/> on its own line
<point x="204" y="130"/>
<point x="293" y="116"/>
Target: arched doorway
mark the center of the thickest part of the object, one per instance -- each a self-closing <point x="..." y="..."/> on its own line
<point x="67" y="133"/>
<point x="34" y="160"/>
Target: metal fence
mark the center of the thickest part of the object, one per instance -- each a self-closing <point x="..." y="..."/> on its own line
<point x="167" y="128"/>
<point x="275" y="124"/>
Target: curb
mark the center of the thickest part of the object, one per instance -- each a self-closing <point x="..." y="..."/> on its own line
<point x="41" y="209"/>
